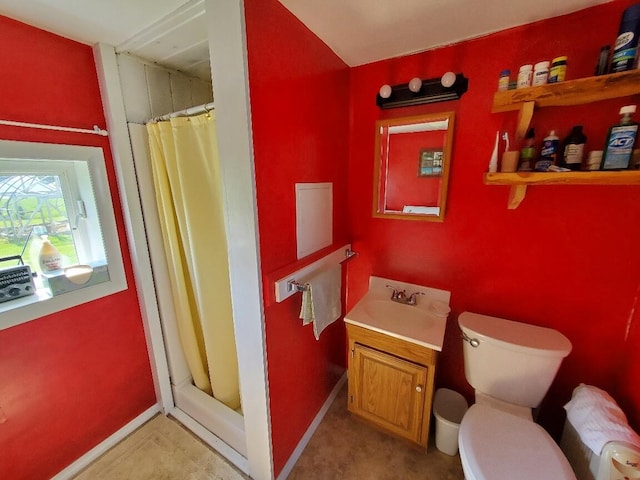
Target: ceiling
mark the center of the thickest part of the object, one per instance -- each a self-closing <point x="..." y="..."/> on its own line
<point x="173" y="32"/>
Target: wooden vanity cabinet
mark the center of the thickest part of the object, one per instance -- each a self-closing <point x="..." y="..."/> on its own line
<point x="391" y="383"/>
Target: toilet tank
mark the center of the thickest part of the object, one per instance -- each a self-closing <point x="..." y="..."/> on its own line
<point x="511" y="361"/>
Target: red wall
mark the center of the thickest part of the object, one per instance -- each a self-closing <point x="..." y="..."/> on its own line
<point x="299" y="108"/>
<point x="567" y="258"/>
<point x="71" y="379"/>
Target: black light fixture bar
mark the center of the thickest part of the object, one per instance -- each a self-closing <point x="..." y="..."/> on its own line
<point x="431" y="91"/>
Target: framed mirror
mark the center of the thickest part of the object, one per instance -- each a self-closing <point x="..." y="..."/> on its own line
<point x="412" y="163"/>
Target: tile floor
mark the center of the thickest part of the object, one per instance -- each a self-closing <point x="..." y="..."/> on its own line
<point x="341" y="448"/>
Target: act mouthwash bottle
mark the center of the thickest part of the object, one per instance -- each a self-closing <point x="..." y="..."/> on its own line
<point x="620" y="140"/>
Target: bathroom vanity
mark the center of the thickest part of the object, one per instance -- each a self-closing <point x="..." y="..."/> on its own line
<point x="393" y="349"/>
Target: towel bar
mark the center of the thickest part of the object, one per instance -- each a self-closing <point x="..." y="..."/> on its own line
<point x="293" y="286"/>
<point x="287" y="285"/>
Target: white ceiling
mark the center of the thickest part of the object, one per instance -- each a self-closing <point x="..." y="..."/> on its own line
<point x="173" y="32"/>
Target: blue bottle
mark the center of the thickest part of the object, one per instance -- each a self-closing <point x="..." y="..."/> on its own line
<point x="620" y="140"/>
<point x="624" y="53"/>
<point x="548" y="152"/>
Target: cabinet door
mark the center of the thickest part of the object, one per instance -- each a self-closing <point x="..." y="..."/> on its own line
<point x="387" y="391"/>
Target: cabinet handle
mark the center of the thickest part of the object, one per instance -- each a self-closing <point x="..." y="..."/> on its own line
<point x="419" y="388"/>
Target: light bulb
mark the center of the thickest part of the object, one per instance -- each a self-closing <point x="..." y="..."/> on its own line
<point x="448" y="79"/>
<point x="415" y="84"/>
<point x="385" y="91"/>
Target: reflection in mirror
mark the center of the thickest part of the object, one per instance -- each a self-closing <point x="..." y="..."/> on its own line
<point x="413" y="159"/>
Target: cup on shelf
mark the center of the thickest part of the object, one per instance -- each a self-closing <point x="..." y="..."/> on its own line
<point x="510" y="161"/>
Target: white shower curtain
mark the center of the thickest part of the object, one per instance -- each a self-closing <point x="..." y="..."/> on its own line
<point x="186" y="175"/>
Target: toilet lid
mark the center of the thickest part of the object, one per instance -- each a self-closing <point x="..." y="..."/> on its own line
<point x="496" y="445"/>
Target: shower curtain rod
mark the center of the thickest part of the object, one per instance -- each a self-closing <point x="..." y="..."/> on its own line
<point x="187" y="112"/>
<point x="96" y="130"/>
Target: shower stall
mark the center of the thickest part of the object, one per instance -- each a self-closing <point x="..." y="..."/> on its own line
<point x="135" y="90"/>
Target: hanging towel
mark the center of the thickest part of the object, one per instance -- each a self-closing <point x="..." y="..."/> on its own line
<point x="598" y="419"/>
<point x="321" y="303"/>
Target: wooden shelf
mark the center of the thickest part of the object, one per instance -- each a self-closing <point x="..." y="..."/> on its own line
<point x="562" y="94"/>
<point x="568" y="93"/>
<point x="520" y="180"/>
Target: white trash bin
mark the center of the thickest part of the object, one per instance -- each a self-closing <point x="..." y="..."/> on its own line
<point x="448" y="407"/>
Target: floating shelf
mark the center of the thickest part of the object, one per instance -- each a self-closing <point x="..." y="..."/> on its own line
<point x="562" y="94"/>
<point x="520" y="180"/>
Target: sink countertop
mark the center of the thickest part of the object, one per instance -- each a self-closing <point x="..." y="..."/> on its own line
<point x="420" y="324"/>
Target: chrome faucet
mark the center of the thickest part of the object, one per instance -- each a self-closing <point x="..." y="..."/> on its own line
<point x="400" y="296"/>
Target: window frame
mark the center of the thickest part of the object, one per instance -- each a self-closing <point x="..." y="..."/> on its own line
<point x="24" y="309"/>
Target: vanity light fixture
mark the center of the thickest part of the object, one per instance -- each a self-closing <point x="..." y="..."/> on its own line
<point x="450" y="86"/>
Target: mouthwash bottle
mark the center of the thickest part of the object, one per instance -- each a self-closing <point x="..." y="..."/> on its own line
<point x="618" y="147"/>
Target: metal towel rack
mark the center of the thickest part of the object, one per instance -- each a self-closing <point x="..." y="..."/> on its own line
<point x="287" y="286"/>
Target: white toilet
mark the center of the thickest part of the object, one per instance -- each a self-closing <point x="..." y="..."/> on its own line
<point x="511" y="366"/>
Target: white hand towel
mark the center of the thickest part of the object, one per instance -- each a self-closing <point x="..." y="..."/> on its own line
<point x="598" y="419"/>
<point x="321" y="301"/>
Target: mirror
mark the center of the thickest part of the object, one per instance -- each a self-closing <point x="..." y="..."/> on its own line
<point x="413" y="159"/>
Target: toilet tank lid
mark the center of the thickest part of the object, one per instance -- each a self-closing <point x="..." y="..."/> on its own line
<point x="536" y="339"/>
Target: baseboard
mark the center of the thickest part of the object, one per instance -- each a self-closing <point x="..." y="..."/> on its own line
<point x="111" y="441"/>
<point x="286" y="470"/>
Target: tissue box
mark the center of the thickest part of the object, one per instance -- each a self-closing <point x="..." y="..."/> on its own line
<point x="59" y="282"/>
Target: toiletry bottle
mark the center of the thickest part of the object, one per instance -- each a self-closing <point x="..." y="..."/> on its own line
<point x="540" y="73"/>
<point x="528" y="151"/>
<point x="49" y="257"/>
<point x="503" y="81"/>
<point x="548" y="152"/>
<point x="574" y="149"/>
<point x="618" y="147"/>
<point x="524" y="76"/>
<point x="603" y="61"/>
<point x="558" y="71"/>
<point x="624" y="52"/>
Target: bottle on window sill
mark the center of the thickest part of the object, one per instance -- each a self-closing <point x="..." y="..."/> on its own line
<point x="49" y="257"/>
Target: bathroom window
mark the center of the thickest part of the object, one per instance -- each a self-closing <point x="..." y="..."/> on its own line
<point x="56" y="195"/>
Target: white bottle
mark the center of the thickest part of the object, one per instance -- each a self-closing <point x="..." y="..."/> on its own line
<point x="49" y="257"/>
<point x="540" y="73"/>
<point x="524" y="76"/>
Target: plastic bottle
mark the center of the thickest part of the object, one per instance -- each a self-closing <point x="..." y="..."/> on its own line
<point x="558" y="70"/>
<point x="503" y="81"/>
<point x="548" y="152"/>
<point x="603" y="61"/>
<point x="574" y="149"/>
<point x="49" y="257"/>
<point x="524" y="76"/>
<point x="624" y="52"/>
<point x="618" y="147"/>
<point x="528" y="151"/>
<point x="540" y="73"/>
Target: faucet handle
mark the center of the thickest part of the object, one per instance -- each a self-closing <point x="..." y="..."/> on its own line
<point x="396" y="293"/>
<point x="413" y="297"/>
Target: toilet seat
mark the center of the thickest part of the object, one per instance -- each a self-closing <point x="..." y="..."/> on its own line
<point x="495" y="445"/>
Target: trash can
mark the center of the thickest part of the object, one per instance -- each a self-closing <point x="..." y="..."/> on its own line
<point x="448" y="407"/>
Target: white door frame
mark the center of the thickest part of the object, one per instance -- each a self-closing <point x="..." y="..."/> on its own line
<point x="227" y="47"/>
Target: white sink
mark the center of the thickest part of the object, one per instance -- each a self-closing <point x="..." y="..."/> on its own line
<point x="423" y="323"/>
<point x="386" y="309"/>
